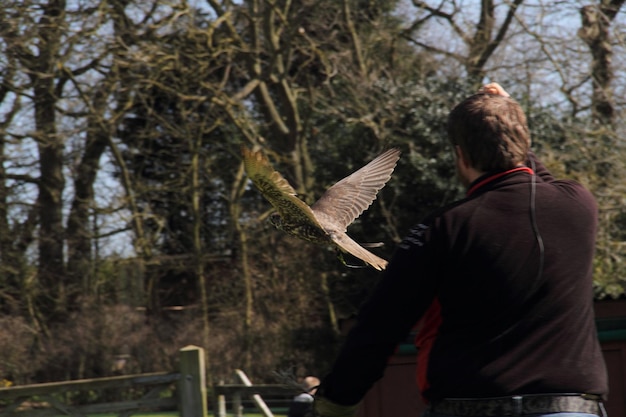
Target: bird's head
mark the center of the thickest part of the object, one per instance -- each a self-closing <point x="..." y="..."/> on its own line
<point x="276" y="220"/>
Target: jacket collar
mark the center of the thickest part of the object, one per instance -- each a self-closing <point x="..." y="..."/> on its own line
<point x="490" y="177"/>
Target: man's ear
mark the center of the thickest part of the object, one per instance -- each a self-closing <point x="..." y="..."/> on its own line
<point x="460" y="156"/>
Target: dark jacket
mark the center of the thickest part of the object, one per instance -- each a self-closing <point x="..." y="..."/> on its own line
<point x="503" y="282"/>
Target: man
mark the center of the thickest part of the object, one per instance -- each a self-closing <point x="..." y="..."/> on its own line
<point x="502" y="280"/>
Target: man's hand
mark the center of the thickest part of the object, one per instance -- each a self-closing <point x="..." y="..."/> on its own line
<point x="325" y="408"/>
<point x="493" y="88"/>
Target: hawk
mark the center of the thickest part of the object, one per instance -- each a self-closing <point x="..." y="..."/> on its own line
<point x="326" y="221"/>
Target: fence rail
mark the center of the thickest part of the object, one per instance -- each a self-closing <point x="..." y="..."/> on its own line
<point x="238" y="391"/>
<point x="184" y="391"/>
<point x="42" y="400"/>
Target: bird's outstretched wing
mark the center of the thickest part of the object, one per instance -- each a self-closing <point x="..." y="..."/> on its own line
<point x="276" y="189"/>
<point x="348" y="198"/>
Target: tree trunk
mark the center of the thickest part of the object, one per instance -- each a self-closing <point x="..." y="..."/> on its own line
<point x="241" y="237"/>
<point x="79" y="232"/>
<point x="9" y="259"/>
<point x="52" y="297"/>
<point x="198" y="247"/>
<point x="596" y="20"/>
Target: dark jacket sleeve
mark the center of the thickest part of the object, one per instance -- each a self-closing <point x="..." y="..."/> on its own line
<point x="405" y="291"/>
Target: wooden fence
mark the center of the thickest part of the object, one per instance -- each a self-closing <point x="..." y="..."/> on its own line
<point x="236" y="392"/>
<point x="158" y="392"/>
<point x="184" y="391"/>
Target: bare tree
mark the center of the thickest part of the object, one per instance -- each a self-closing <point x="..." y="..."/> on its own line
<point x="11" y="254"/>
<point x="596" y="20"/>
<point x="69" y="79"/>
<point x="37" y="48"/>
<point x="480" y="38"/>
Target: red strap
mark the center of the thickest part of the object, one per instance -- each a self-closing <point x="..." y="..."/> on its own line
<point x="496" y="176"/>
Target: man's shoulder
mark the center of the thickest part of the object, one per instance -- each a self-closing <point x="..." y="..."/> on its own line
<point x="574" y="191"/>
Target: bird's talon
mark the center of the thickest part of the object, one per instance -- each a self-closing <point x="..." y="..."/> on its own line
<point x="346" y="264"/>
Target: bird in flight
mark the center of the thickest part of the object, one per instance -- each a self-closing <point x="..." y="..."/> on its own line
<point x="326" y="221"/>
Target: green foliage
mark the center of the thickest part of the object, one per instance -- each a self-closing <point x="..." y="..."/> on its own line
<point x="411" y="116"/>
<point x="570" y="148"/>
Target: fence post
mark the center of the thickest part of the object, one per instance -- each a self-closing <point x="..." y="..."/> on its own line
<point x="221" y="404"/>
<point x="237" y="405"/>
<point x="192" y="384"/>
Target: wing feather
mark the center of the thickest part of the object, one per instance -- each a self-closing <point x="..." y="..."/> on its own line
<point x="350" y="197"/>
<point x="276" y="189"/>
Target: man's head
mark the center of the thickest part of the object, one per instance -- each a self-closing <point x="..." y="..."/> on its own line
<point x="490" y="131"/>
<point x="310" y="384"/>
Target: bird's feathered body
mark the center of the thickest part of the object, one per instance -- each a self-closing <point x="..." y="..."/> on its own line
<point x="326" y="221"/>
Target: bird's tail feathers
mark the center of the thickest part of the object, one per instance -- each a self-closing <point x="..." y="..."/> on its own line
<point x="348" y="245"/>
